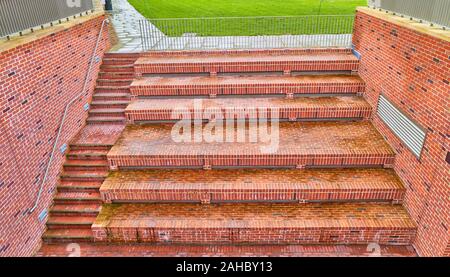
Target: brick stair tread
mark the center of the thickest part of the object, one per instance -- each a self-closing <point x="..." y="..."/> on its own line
<point x="142" y="108"/>
<point x="130" y="75"/>
<point x="312" y="215"/>
<point x="117" y="66"/>
<point x="248" y="179"/>
<point x="97" y="135"/>
<point x="93" y="144"/>
<point x="245" y="57"/>
<point x="245" y="185"/>
<point x="106" y="80"/>
<point x="68" y="234"/>
<point x="111" y="93"/>
<point x="77" y="196"/>
<point x="225" y="81"/>
<point x="75" y="208"/>
<point x="86" y="163"/>
<point x="105" y="119"/>
<point x="100" y="111"/>
<point x="82" y="174"/>
<point x="87" y="152"/>
<point x="300" y="140"/>
<point x="110" y="102"/>
<point x="70" y="220"/>
<point x="73" y="185"/>
<point x="152" y="250"/>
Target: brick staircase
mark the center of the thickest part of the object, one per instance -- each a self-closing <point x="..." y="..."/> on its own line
<point x="329" y="185"/>
<point x="77" y="201"/>
<point x="112" y="94"/>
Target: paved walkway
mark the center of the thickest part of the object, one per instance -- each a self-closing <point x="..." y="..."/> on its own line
<point x="125" y="19"/>
<point x="126" y="22"/>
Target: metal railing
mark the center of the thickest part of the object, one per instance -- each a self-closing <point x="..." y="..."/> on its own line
<point x="433" y="11"/>
<point x="17" y="16"/>
<point x="63" y="119"/>
<point x="247" y="32"/>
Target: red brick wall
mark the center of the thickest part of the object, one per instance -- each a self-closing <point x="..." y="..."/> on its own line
<point x="412" y="69"/>
<point x="37" y="80"/>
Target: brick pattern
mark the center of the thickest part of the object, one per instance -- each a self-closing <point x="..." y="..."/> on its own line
<point x="256" y="224"/>
<point x="411" y="68"/>
<point x="152" y="250"/>
<point x="300" y="144"/>
<point x="247" y="62"/>
<point x="253" y="185"/>
<point x="302" y="108"/>
<point x="77" y="200"/>
<point x="37" y="80"/>
<point x="277" y="85"/>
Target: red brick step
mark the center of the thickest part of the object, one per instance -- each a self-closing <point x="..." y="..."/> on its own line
<point x="248" y="61"/>
<point x="87" y="154"/>
<point x="247" y="85"/>
<point x="75" y="210"/>
<point x="67" y="235"/>
<point x="261" y="185"/>
<point x="68" y="222"/>
<point x="301" y="108"/>
<point x="299" y="144"/>
<point x="331" y="223"/>
<point x="77" y="197"/>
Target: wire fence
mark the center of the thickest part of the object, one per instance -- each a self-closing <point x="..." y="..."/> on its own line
<point x="246" y="32"/>
<point x="434" y="11"/>
<point x="20" y="15"/>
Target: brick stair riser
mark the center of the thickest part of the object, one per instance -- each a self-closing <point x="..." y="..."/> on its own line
<point x="201" y="161"/>
<point x="87" y="213"/>
<point x="82" y="179"/>
<point x="77" y="201"/>
<point x="249" y="195"/>
<point x="115" y="121"/>
<point x="257" y="236"/>
<point x="69" y="226"/>
<point x="108" y="106"/>
<point x="86" y="168"/>
<point x="235" y="67"/>
<point x="110" y="89"/>
<point x="116" y="76"/>
<point x="77" y="157"/>
<point x="113" y="83"/>
<point x="81" y="188"/>
<point x="255" y="89"/>
<point x="119" y="115"/>
<point x="112" y="97"/>
<point x="121" y="56"/>
<point x="283" y="113"/>
<point x="117" y="69"/>
<point x="108" y="62"/>
<point x="90" y="147"/>
<point x="66" y="240"/>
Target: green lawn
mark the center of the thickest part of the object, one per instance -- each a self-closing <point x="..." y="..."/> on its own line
<point x="158" y="9"/>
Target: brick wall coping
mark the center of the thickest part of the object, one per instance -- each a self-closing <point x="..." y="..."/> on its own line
<point x="15" y="42"/>
<point x="424" y="28"/>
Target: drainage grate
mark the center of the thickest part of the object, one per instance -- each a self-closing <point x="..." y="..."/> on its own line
<point x="411" y="134"/>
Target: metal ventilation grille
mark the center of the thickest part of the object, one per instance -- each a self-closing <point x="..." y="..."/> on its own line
<point x="407" y="131"/>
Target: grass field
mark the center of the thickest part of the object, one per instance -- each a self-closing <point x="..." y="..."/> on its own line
<point x="159" y="9"/>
